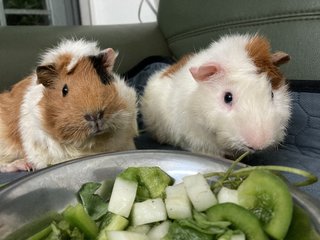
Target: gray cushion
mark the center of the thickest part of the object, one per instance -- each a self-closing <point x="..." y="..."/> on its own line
<point x="292" y="26"/>
<point x="21" y="46"/>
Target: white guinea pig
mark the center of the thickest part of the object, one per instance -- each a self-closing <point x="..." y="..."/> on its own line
<point x="72" y="105"/>
<point x="223" y="100"/>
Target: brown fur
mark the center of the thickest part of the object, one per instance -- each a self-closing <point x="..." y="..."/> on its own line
<point x="10" y="103"/>
<point x="64" y="116"/>
<point x="259" y="50"/>
<point x="177" y="66"/>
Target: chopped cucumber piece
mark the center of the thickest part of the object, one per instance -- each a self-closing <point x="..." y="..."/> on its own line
<point x="226" y="236"/>
<point x="177" y="202"/>
<point x="228" y="195"/>
<point x="179" y="232"/>
<point x="232" y="235"/>
<point x="238" y="235"/>
<point x="301" y="227"/>
<point x="155" y="180"/>
<point x="152" y="181"/>
<point x="122" y="196"/>
<point x="159" y="231"/>
<point x="42" y="234"/>
<point x="139" y="229"/>
<point x="268" y="197"/>
<point x="124" y="235"/>
<point x="240" y="217"/>
<point x="77" y="217"/>
<point x="199" y="192"/>
<point x="111" y="222"/>
<point x="149" y="211"/>
<point x="94" y="205"/>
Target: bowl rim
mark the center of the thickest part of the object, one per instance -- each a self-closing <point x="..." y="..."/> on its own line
<point x="304" y="200"/>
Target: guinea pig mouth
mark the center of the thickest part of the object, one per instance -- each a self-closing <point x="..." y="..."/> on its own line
<point x="96" y="128"/>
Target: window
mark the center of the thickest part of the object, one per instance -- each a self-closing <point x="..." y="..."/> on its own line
<point x="39" y="12"/>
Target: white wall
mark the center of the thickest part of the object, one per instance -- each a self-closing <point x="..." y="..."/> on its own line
<point x="105" y="12"/>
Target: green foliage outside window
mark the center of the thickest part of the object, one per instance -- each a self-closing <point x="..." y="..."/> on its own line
<point x="25" y="18"/>
<point x="25" y="4"/>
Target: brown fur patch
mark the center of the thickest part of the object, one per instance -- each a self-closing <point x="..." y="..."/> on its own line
<point x="64" y="116"/>
<point x="177" y="66"/>
<point x="62" y="63"/>
<point x="259" y="51"/>
<point x="10" y="103"/>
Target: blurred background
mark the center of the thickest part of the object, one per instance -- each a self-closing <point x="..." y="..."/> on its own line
<point x="76" y="12"/>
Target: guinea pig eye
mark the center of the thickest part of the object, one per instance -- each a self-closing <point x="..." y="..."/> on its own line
<point x="272" y="95"/>
<point x="228" y="97"/>
<point x="65" y="90"/>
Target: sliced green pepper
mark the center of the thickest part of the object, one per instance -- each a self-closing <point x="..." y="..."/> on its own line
<point x="241" y="219"/>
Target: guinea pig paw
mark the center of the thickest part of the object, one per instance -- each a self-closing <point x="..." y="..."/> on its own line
<point x="17" y="165"/>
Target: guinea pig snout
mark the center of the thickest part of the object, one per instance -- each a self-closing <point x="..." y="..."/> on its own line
<point x="95" y="120"/>
<point x="94" y="116"/>
<point x="258" y="140"/>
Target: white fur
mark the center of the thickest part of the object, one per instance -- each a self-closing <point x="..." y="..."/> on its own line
<point x="76" y="48"/>
<point x="178" y="110"/>
<point x="37" y="143"/>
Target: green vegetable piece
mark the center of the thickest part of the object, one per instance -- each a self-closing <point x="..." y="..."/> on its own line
<point x="213" y="230"/>
<point x="56" y="233"/>
<point x="94" y="205"/>
<point x="226" y="236"/>
<point x="106" y="189"/>
<point x="113" y="221"/>
<point x="178" y="232"/>
<point x="35" y="226"/>
<point x="155" y="180"/>
<point x="77" y="217"/>
<point x="268" y="197"/>
<point x="130" y="173"/>
<point x="241" y="219"/>
<point x="42" y="234"/>
<point x="202" y="221"/>
<point x="152" y="181"/>
<point x="76" y="234"/>
<point x="301" y="227"/>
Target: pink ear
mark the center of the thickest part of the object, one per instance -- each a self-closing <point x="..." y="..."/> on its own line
<point x="109" y="57"/>
<point x="205" y="71"/>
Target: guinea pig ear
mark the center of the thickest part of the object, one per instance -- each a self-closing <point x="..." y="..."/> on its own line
<point x="205" y="71"/>
<point x="46" y="75"/>
<point x="279" y="58"/>
<point x="108" y="58"/>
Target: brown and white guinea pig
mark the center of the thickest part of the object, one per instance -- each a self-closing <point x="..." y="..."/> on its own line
<point x="221" y="101"/>
<point x="72" y="105"/>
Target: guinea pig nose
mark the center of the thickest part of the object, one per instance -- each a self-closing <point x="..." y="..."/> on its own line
<point x="94" y="116"/>
<point x="100" y="115"/>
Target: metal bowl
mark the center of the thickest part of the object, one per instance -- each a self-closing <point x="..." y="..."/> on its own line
<point x="53" y="188"/>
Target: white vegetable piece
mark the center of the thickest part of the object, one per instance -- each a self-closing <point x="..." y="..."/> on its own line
<point x="149" y="211"/>
<point x="139" y="229"/>
<point x="238" y="236"/>
<point x="177" y="202"/>
<point x="159" y="231"/>
<point x="122" y="197"/>
<point x="125" y="235"/>
<point x="228" y="195"/>
<point x="199" y="192"/>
